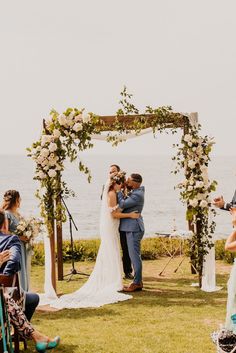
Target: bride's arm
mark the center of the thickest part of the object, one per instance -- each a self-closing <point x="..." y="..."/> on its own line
<point x="115" y="211"/>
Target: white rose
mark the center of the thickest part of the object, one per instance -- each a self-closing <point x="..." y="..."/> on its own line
<point x="52" y="173"/>
<point x="58" y="167"/>
<point x="190" y="188"/>
<point x="52" y="162"/>
<point x="40" y="159"/>
<point x="45" y="162"/>
<point x="45" y="139"/>
<point x="77" y="127"/>
<point x="86" y="118"/>
<point x="201" y="196"/>
<point x="52" y="147"/>
<point x="44" y="152"/>
<point x="28" y="234"/>
<point x="62" y="119"/>
<point x="190" y="144"/>
<point x="193" y="202"/>
<point x="48" y="122"/>
<point x="187" y="138"/>
<point x="199" y="150"/>
<point x="194" y="149"/>
<point x="46" y="168"/>
<point x="203" y="204"/>
<point x="199" y="184"/>
<point x="191" y="164"/>
<point x="78" y="118"/>
<point x="73" y="135"/>
<point x="56" y="133"/>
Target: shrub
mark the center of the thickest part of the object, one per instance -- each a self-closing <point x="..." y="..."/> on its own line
<point x="152" y="249"/>
<point x="221" y="254"/>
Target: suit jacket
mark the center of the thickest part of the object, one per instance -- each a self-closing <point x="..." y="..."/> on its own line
<point x="230" y="204"/>
<point x="134" y="202"/>
<point x="10" y="242"/>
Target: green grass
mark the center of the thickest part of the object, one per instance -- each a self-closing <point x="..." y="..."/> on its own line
<point x="167" y="316"/>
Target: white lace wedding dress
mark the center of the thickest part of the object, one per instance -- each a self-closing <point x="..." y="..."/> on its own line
<point x="106" y="279"/>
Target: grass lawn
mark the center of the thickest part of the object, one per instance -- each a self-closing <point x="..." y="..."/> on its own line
<point x="169" y="315"/>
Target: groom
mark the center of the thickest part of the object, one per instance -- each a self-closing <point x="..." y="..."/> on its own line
<point x="134" y="228"/>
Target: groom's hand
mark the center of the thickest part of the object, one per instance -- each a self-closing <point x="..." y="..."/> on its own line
<point x="219" y="202"/>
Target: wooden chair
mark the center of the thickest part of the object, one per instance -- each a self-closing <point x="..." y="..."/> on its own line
<point x="5" y="328"/>
<point x="13" y="281"/>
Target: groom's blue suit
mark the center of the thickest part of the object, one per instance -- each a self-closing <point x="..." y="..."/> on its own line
<point x="134" y="228"/>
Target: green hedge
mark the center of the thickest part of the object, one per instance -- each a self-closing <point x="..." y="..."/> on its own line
<point x="152" y="248"/>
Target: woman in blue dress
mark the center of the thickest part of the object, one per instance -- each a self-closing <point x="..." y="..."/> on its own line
<point x="11" y="205"/>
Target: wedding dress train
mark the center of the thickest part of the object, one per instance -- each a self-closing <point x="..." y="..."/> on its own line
<point x="106" y="279"/>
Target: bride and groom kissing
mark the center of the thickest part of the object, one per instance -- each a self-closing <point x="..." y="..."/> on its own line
<point x="121" y="208"/>
<point x="129" y="200"/>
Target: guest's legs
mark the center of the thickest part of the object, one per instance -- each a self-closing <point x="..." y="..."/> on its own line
<point x="18" y="319"/>
<point x="23" y="326"/>
<point x="134" y="241"/>
<point x="31" y="302"/>
<point x="125" y="258"/>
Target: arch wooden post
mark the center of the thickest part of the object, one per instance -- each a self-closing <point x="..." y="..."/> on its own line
<point x="53" y="255"/>
<point x="190" y="224"/>
<point x="52" y="236"/>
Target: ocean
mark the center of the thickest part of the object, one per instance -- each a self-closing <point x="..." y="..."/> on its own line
<point x="162" y="210"/>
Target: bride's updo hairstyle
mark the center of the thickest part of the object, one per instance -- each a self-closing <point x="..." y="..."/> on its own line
<point x="118" y="178"/>
<point x="10" y="199"/>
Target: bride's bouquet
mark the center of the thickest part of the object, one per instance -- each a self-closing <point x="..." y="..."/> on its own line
<point x="29" y="228"/>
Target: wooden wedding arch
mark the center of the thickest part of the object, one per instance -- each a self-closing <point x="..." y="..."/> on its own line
<point x="110" y="123"/>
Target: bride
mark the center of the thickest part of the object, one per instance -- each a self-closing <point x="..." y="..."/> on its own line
<point x="105" y="281"/>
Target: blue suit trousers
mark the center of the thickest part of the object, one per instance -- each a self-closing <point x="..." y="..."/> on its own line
<point x="134" y="247"/>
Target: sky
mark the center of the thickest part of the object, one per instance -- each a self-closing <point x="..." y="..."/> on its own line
<point x="59" y="54"/>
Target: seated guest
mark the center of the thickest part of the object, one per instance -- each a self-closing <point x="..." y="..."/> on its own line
<point x="11" y="205"/>
<point x="7" y="242"/>
<point x="10" y="264"/>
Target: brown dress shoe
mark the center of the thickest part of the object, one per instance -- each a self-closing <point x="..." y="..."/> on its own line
<point x="133" y="287"/>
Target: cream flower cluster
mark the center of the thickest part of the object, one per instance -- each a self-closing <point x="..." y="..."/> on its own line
<point x="48" y="153"/>
<point x="45" y="155"/>
<point x="68" y="124"/>
<point x="29" y="228"/>
<point x="196" y="188"/>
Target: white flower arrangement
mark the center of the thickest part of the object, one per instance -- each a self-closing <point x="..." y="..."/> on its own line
<point x="77" y="127"/>
<point x="50" y="151"/>
<point x="193" y="157"/>
<point x="29" y="228"/>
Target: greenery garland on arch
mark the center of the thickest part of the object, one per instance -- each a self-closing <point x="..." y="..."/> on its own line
<point x="193" y="155"/>
<point x="64" y="135"/>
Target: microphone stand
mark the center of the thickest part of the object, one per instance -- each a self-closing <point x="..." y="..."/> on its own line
<point x="73" y="271"/>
